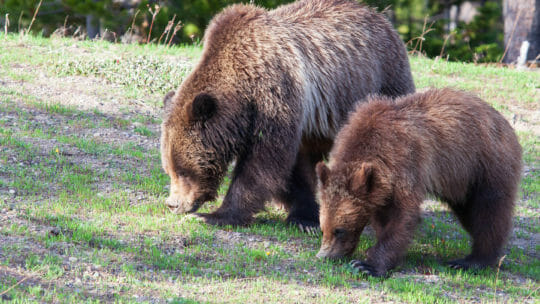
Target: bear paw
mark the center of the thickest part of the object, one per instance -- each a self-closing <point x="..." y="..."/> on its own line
<point x="219" y="219"/>
<point x="364" y="267"/>
<point x="466" y="264"/>
<point x="306" y="226"/>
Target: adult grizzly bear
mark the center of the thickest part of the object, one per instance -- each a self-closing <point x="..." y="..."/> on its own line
<point x="271" y="91"/>
<point x="390" y="155"/>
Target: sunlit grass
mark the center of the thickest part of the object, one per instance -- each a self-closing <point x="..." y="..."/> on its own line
<point x="86" y="215"/>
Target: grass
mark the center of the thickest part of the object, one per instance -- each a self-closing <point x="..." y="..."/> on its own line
<point x="82" y="217"/>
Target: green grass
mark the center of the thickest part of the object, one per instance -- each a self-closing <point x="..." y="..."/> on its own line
<point x="82" y="216"/>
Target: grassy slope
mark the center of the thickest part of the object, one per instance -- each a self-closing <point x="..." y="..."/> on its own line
<point x="82" y="191"/>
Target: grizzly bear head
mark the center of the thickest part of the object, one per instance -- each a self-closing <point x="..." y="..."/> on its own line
<point x="201" y="133"/>
<point x="345" y="194"/>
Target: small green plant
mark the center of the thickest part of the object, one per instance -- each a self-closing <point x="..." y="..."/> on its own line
<point x="144" y="131"/>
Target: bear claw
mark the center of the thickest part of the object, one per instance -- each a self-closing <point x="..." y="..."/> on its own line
<point x="220" y="220"/>
<point x="465" y="264"/>
<point x="364" y="267"/>
<point x="310" y="229"/>
<point x="305" y="226"/>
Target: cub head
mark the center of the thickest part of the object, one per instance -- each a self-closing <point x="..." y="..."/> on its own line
<point x="200" y="135"/>
<point x="345" y="206"/>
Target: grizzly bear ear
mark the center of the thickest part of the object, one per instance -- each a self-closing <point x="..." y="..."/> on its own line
<point x="168" y="99"/>
<point x="203" y="107"/>
<point x="362" y="178"/>
<point x="322" y="172"/>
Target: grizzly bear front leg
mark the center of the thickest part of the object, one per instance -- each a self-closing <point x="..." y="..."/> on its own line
<point x="258" y="176"/>
<point x="394" y="226"/>
<point x="246" y="197"/>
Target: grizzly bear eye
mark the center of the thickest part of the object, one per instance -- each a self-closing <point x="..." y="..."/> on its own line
<point x="339" y="232"/>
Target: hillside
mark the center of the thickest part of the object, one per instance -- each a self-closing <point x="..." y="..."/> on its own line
<point x="82" y="217"/>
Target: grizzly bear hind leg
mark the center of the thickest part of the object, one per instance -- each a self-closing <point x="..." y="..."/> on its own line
<point x="487" y="216"/>
<point x="303" y="209"/>
<point x="299" y="197"/>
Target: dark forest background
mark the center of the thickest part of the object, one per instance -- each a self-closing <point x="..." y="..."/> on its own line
<point x="458" y="30"/>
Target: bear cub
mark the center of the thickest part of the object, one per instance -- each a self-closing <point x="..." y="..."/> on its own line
<point x="392" y="154"/>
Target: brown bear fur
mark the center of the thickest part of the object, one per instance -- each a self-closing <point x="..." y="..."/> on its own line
<point x="271" y="91"/>
<point x="389" y="156"/>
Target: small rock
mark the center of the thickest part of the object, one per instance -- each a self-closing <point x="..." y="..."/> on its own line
<point x="54" y="231"/>
<point x="11" y="191"/>
<point x="96" y="134"/>
<point x="72" y="259"/>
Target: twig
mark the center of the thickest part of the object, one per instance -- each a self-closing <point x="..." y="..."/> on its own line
<point x="420" y="39"/>
<point x="19" y="22"/>
<point x="104" y="34"/>
<point x="6" y="25"/>
<point x="130" y="30"/>
<point x="176" y="29"/>
<point x="497" y="275"/>
<point x="511" y="36"/>
<point x="154" y="13"/>
<point x="34" y="17"/>
<point x="444" y="44"/>
<point x="532" y="292"/>
<point x="64" y="30"/>
<point x="167" y="29"/>
<point x="18" y="283"/>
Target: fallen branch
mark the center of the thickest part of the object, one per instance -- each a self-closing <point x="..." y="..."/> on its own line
<point x="17" y="284"/>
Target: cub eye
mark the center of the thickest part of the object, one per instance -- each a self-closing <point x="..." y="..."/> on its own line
<point x="339" y="232"/>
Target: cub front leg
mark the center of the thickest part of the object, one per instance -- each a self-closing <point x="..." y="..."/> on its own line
<point x="394" y="227"/>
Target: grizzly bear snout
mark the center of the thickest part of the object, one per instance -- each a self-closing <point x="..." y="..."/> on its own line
<point x="178" y="206"/>
<point x="335" y="251"/>
<point x="187" y="195"/>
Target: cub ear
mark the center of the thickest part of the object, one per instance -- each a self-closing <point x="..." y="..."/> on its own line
<point x="322" y="172"/>
<point x="203" y="107"/>
<point x="362" y="178"/>
<point x="168" y="99"/>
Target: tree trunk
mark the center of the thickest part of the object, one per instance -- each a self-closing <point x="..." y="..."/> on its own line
<point x="521" y="22"/>
<point x="92" y="26"/>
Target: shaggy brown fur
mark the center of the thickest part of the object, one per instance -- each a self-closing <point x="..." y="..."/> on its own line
<point x="271" y="91"/>
<point x="391" y="155"/>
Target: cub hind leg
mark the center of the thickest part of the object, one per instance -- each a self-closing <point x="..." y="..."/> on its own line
<point x="487" y="217"/>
